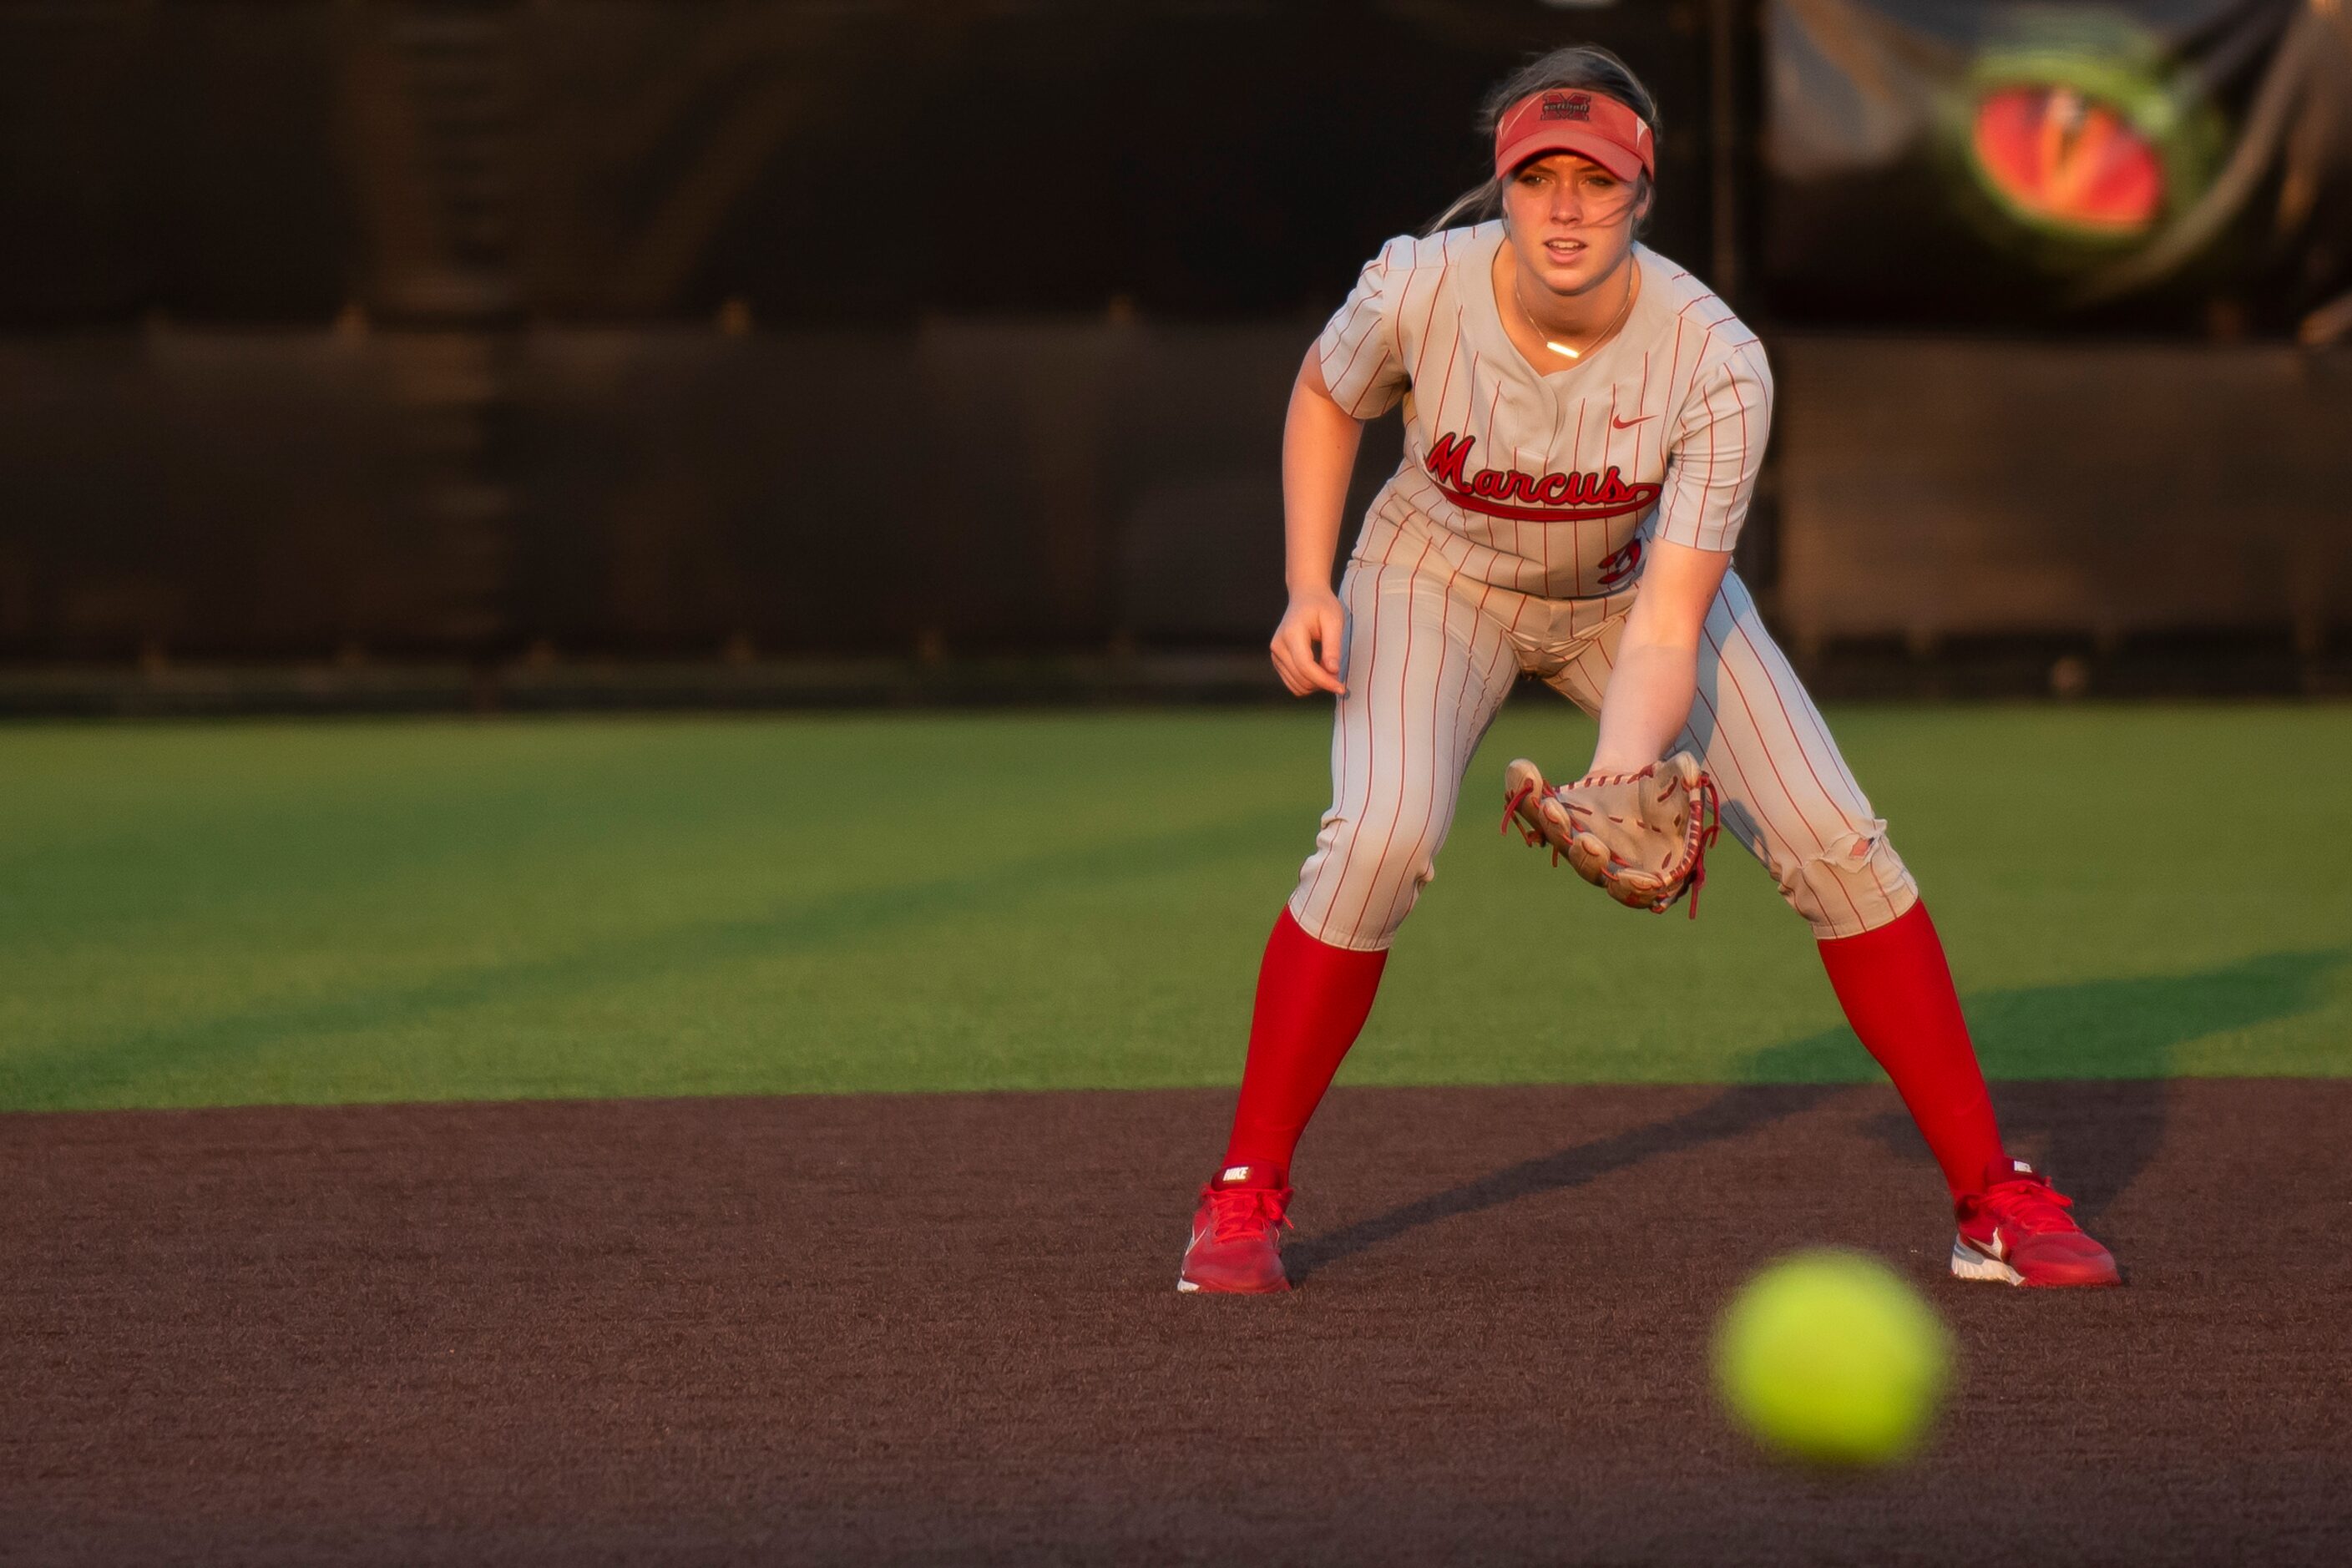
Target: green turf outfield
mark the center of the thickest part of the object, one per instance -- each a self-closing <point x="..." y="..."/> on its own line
<point x="195" y="915"/>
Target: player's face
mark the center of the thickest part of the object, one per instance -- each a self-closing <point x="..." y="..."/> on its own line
<point x="1571" y="221"/>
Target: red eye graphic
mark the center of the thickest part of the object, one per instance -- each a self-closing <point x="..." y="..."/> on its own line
<point x="2063" y="161"/>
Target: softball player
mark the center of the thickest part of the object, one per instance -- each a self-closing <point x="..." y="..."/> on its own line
<point x="1584" y="421"/>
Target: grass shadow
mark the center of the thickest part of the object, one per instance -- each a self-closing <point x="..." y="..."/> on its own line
<point x="32" y="1076"/>
<point x="2121" y="1027"/>
<point x="2124" y="1033"/>
<point x="2099" y="1142"/>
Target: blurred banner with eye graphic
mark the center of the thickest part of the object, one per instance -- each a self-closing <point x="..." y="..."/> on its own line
<point x="2172" y="165"/>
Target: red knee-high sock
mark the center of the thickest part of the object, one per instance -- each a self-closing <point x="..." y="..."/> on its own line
<point x="1312" y="1000"/>
<point x="1896" y="990"/>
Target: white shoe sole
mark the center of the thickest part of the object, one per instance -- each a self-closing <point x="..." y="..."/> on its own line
<point x="1188" y="1288"/>
<point x="1968" y="1263"/>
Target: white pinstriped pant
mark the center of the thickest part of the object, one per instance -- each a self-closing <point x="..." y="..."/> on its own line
<point x="1431" y="655"/>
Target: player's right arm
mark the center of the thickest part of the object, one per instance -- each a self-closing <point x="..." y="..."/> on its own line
<point x="1319" y="457"/>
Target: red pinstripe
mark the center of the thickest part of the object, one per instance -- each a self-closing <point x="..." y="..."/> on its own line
<point x="1437" y="682"/>
<point x="1371" y="384"/>
<point x="1674" y="400"/>
<point x="1404" y="299"/>
<point x="1430" y="316"/>
<point x="1703" y="344"/>
<point x="1575" y="458"/>
<point x="1339" y="384"/>
<point x="1446" y="384"/>
<point x="1404" y="674"/>
<point x="1480" y="713"/>
<point x="1371" y="666"/>
<point x="1750" y="708"/>
<point x="1750" y="457"/>
<point x="1643" y="407"/>
<point x="1371" y="633"/>
<point x="1713" y="425"/>
<point x="1725" y="523"/>
<point x="1724" y="665"/>
<point x="1814" y="719"/>
<point x="1679" y="505"/>
<point x="1748" y="793"/>
<point x="1362" y="305"/>
<point x="1600" y="688"/>
<point x="1706" y="403"/>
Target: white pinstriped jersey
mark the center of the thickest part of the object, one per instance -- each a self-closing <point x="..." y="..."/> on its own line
<point x="1552" y="481"/>
<point x="1509" y="541"/>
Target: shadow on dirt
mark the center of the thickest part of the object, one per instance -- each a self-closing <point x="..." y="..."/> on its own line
<point x="2097" y="1137"/>
<point x="1738" y="1110"/>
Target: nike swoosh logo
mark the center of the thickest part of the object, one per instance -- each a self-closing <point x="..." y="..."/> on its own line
<point x="1617" y="424"/>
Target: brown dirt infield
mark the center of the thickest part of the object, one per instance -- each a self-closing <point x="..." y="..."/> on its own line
<point x="943" y="1329"/>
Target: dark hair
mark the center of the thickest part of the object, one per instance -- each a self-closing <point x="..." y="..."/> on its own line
<point x="1588" y="67"/>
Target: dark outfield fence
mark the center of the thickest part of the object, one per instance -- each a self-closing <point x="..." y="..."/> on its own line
<point x="486" y="332"/>
<point x="991" y="486"/>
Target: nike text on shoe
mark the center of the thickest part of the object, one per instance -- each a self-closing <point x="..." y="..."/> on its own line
<point x="1235" y="1248"/>
<point x="2018" y="1231"/>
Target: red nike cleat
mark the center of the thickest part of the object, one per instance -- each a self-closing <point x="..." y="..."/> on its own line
<point x="1236" y="1239"/>
<point x="2018" y="1231"/>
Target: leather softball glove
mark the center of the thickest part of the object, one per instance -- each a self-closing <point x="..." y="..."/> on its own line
<point x="1640" y="838"/>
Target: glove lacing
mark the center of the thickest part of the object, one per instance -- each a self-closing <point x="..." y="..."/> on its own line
<point x="1710" y="817"/>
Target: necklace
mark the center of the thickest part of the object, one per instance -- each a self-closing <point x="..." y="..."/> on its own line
<point x="1562" y="349"/>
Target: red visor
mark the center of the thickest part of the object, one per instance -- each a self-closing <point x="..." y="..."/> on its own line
<point x="1571" y="120"/>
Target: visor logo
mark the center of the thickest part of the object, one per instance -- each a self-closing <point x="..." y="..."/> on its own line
<point x="1567" y="106"/>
